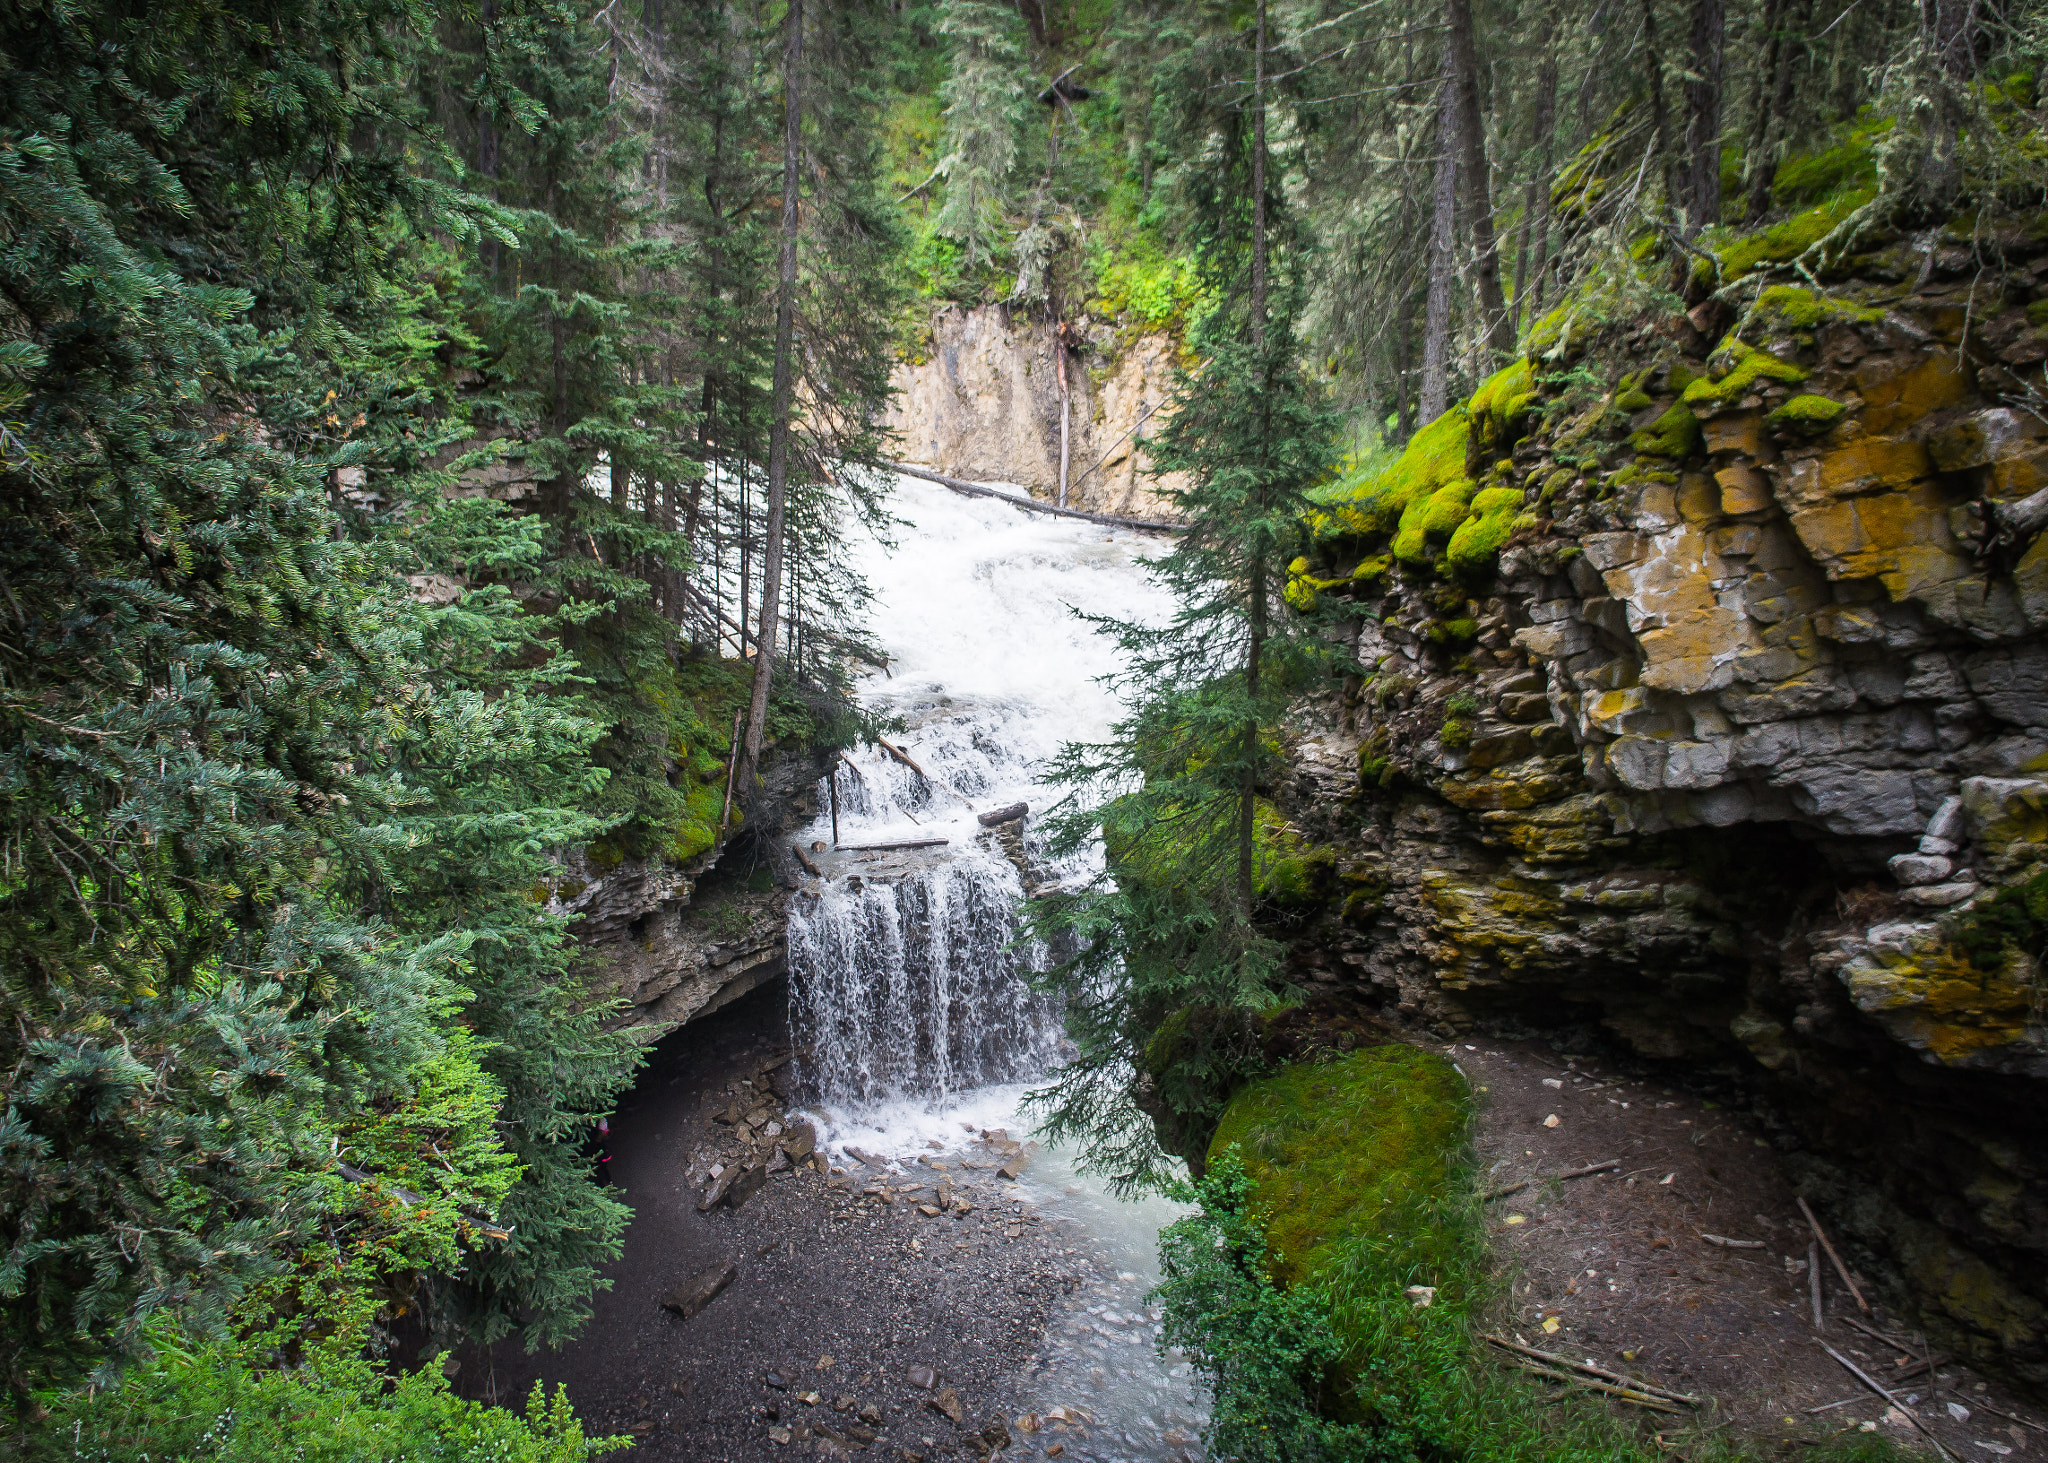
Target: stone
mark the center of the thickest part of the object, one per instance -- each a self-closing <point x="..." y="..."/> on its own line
<point x="800" y="1141"/>
<point x="1911" y="869"/>
<point x="922" y="1377"/>
<point x="946" y="1400"/>
<point x="699" y="1290"/>
<point x="1743" y="490"/>
<point x="2012" y="684"/>
<point x="1525" y="706"/>
<point x="1017" y="1162"/>
<point x="1938" y="896"/>
<point x="746" y="1183"/>
<point x="870" y="1413"/>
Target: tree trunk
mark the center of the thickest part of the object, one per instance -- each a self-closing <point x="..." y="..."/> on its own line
<point x="782" y="386"/>
<point x="1660" y="115"/>
<point x="1436" y="322"/>
<point x="1059" y="366"/>
<point x="1496" y="329"/>
<point x="1404" y="352"/>
<point x="1248" y="792"/>
<point x="1259" y="183"/>
<point x="1703" y="115"/>
<point x="1773" y="106"/>
<point x="1536" y="199"/>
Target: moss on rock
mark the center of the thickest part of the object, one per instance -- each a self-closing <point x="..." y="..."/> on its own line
<point x="1750" y="367"/>
<point x="1675" y="434"/>
<point x="1808" y="413"/>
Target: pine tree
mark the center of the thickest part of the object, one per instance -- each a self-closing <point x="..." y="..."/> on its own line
<point x="1170" y="953"/>
<point x="984" y="97"/>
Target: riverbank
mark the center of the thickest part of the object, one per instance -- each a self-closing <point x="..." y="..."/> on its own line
<point x="853" y="1321"/>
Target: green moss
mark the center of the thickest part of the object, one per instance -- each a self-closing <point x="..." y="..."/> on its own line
<point x="1633" y="399"/>
<point x="2012" y="921"/>
<point x="1477" y="544"/>
<point x="2037" y="314"/>
<point x="1788" y="240"/>
<point x="1556" y="483"/>
<point x="1300" y="880"/>
<point x="1431" y="520"/>
<point x="1794" y="308"/>
<point x="1453" y="632"/>
<point x="1808" y="414"/>
<point x="1751" y="366"/>
<point x="1435" y="455"/>
<point x="1501" y="404"/>
<point x="1851" y="163"/>
<point x="1357" y="1153"/>
<point x="1676" y="435"/>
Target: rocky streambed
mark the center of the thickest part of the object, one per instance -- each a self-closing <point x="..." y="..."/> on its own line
<point x="948" y="1302"/>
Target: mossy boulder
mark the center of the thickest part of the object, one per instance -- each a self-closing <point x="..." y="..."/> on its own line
<point x="1746" y="367"/>
<point x="1807" y="414"/>
<point x="1367" y="1152"/>
<point x="1434" y="458"/>
<point x="1675" y="434"/>
<point x="1788" y="307"/>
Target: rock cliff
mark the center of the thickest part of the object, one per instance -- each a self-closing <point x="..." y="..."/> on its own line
<point x="1705" y="706"/>
<point x="982" y="402"/>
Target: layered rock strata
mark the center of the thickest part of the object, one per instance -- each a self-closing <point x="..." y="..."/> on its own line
<point x="1706" y="703"/>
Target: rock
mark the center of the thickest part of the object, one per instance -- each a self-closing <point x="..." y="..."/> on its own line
<point x="870" y="1413"/>
<point x="746" y="1183"/>
<point x="699" y="1290"/>
<point x="1004" y="815"/>
<point x="800" y="1141"/>
<point x="946" y="1400"/>
<point x="1912" y="868"/>
<point x="776" y="1380"/>
<point x="715" y="1195"/>
<point x="1017" y="1162"/>
<point x="1421" y="1296"/>
<point x="1938" y="896"/>
<point x="922" y="1377"/>
<point x="779" y="1163"/>
<point x="845" y="1403"/>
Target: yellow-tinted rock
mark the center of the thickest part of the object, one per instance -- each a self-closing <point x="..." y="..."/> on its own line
<point x="1743" y="490"/>
<point x="1872" y="464"/>
<point x="1736" y="432"/>
<point x="1894" y="399"/>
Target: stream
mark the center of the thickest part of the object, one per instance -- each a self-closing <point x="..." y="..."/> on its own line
<point x="910" y="1007"/>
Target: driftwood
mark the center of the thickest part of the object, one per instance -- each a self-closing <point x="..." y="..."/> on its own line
<point x="1865" y="1378"/>
<point x="1575" y="1173"/>
<point x="1813" y="1281"/>
<point x="1840" y="1269"/>
<point x="803" y="858"/>
<point x="887" y="847"/>
<point x="1004" y="815"/>
<point x="976" y="490"/>
<point x="1732" y="1244"/>
<point x="1615" y="1381"/>
<point x="908" y="761"/>
<point x="2010" y="527"/>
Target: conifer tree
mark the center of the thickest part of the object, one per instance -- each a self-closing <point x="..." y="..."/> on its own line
<point x="1169" y="941"/>
<point x="984" y="97"/>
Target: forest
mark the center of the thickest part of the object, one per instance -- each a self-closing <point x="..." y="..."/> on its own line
<point x="428" y="438"/>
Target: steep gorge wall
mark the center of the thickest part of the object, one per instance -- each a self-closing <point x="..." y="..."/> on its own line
<point x="1700" y="715"/>
<point x="982" y="402"/>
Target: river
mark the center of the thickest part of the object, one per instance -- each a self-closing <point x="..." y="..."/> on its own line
<point x="909" y="998"/>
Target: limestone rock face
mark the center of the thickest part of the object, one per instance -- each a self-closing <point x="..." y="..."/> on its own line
<point x="1739" y="757"/>
<point x="678" y="941"/>
<point x="983" y="403"/>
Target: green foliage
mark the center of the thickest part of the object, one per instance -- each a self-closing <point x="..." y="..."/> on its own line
<point x="984" y="98"/>
<point x="334" y="1408"/>
<point x="2012" y="922"/>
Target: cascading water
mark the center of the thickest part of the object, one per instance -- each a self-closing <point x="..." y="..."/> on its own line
<point x="909" y="997"/>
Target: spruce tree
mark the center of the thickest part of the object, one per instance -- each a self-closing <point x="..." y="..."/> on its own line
<point x="1170" y="953"/>
<point x="984" y="97"/>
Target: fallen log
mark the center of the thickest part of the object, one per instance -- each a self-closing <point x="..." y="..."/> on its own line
<point x="908" y="761"/>
<point x="1004" y="815"/>
<point x="977" y="490"/>
<point x="891" y="847"/>
<point x="805" y="859"/>
<point x="1731" y="1244"/>
<point x="1624" y="1394"/>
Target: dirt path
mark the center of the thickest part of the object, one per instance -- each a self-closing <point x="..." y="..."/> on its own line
<point x="1614" y="1269"/>
<point x="839" y="1295"/>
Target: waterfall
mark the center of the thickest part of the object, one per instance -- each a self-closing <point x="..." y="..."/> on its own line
<point x="907" y="978"/>
<point x="910" y="998"/>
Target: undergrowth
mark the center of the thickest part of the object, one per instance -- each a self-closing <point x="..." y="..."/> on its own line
<point x="1331" y="1190"/>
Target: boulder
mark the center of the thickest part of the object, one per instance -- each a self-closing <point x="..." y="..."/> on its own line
<point x="699" y="1290"/>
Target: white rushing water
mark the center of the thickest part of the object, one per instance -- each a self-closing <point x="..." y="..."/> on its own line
<point x="910" y="1007"/>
